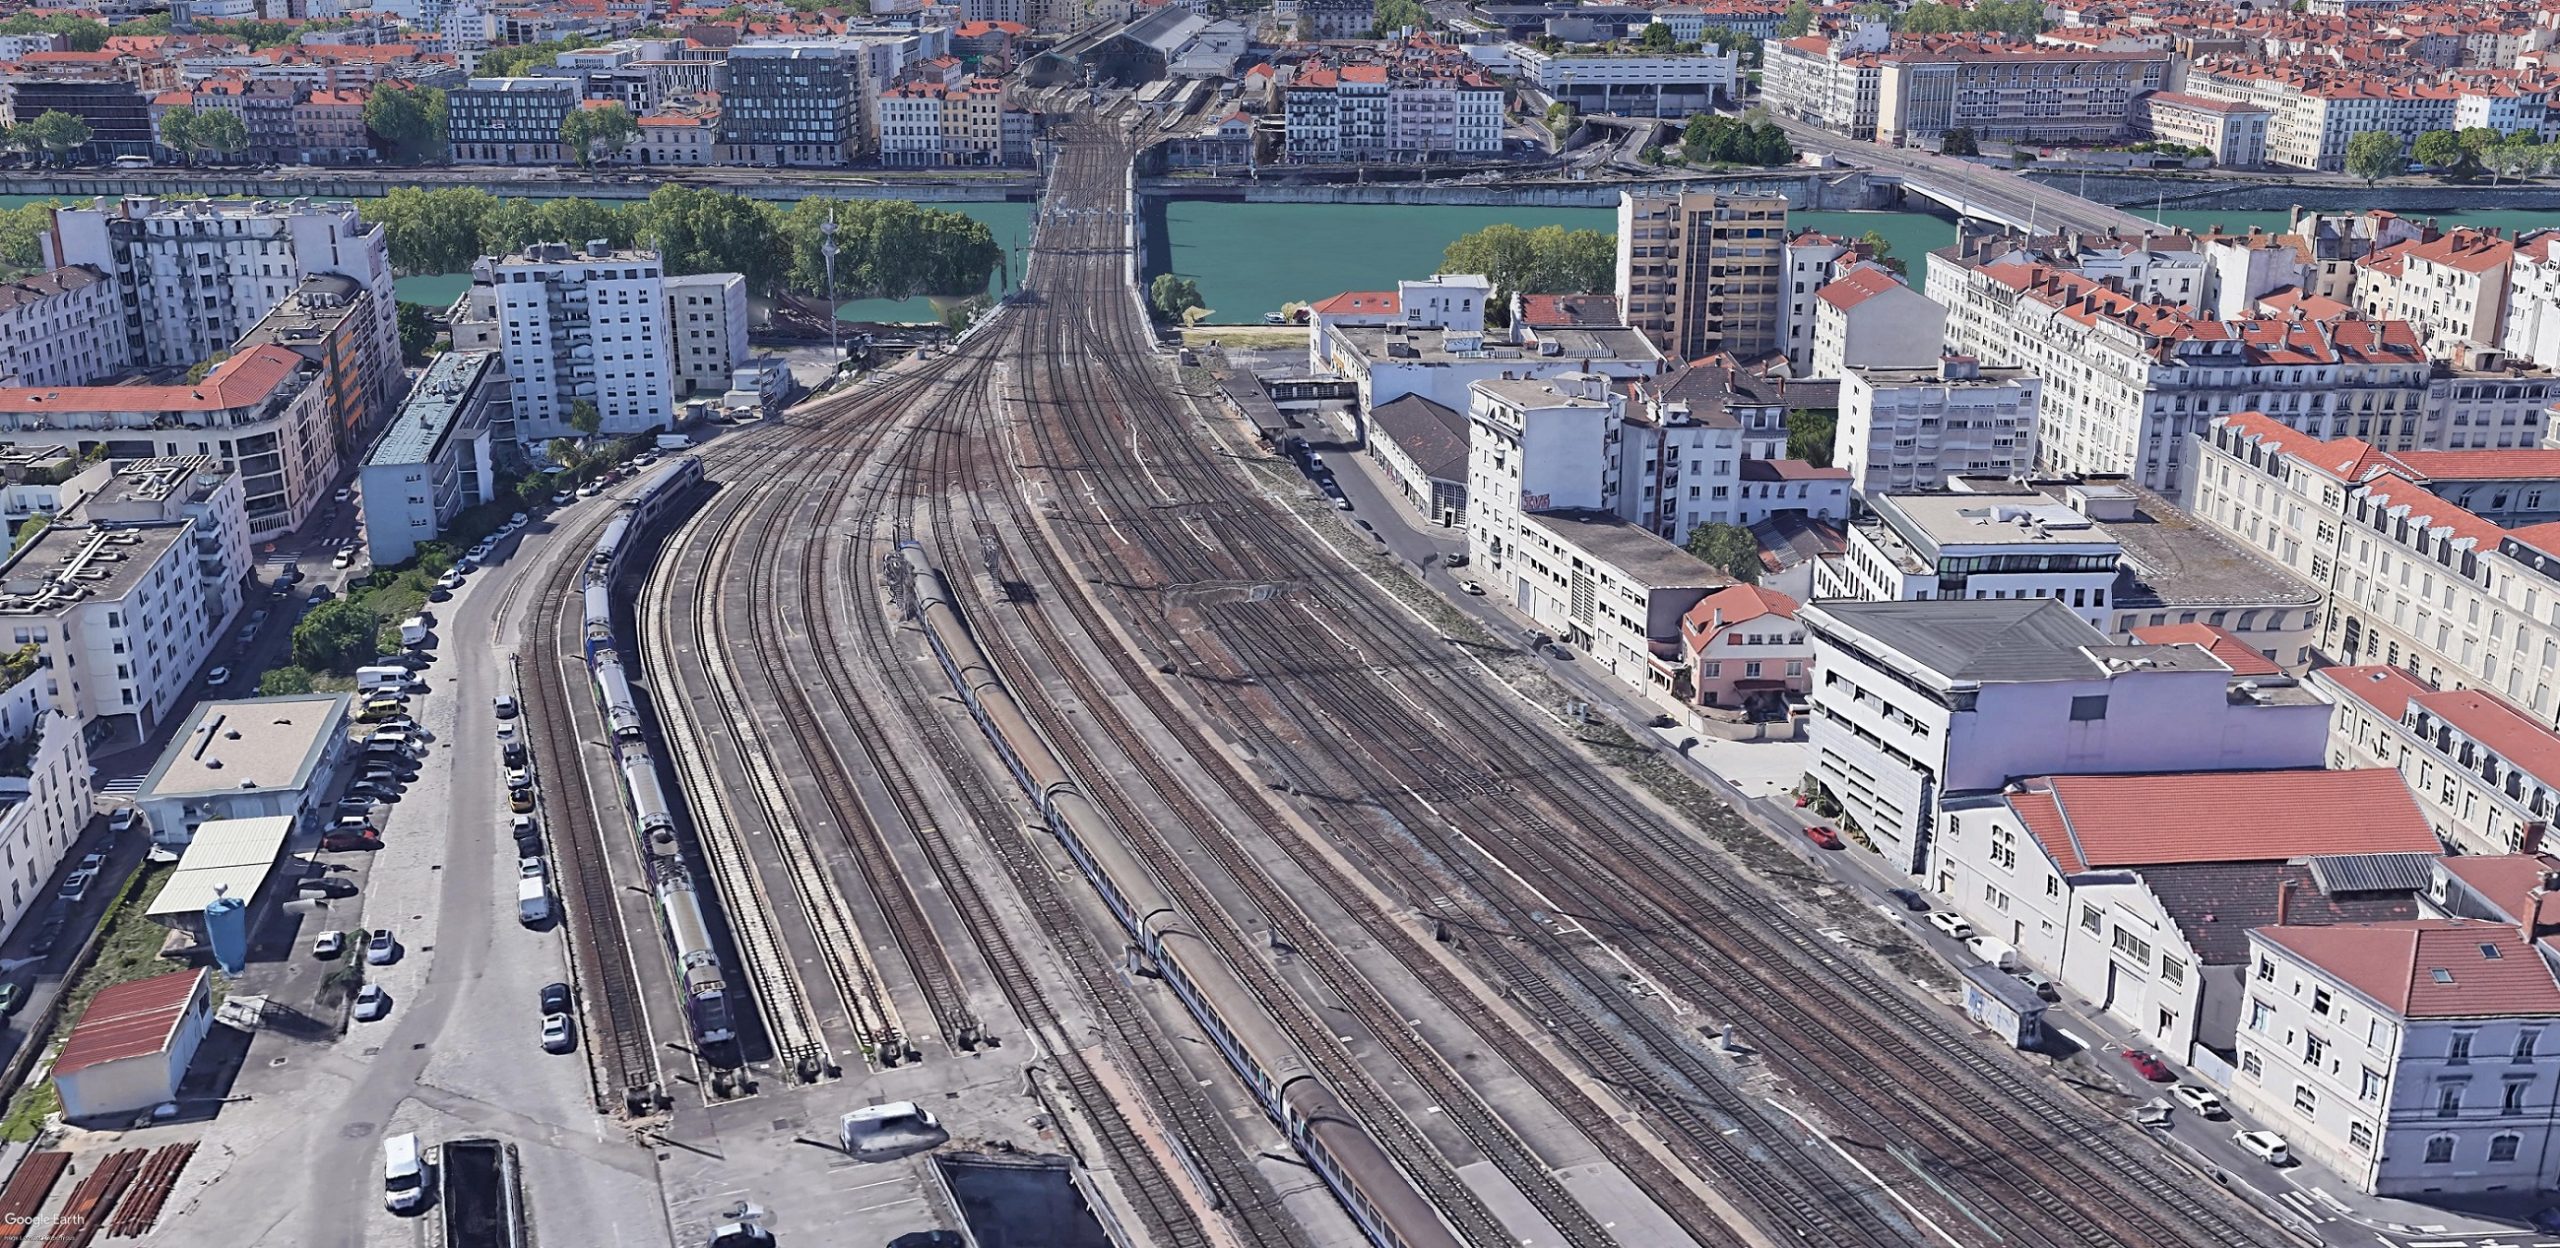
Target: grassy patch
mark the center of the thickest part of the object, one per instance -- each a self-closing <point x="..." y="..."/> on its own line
<point x="130" y="950"/>
<point x="1249" y="336"/>
<point x="28" y="1111"/>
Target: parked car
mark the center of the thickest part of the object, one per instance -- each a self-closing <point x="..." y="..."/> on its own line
<point x="529" y="867"/>
<point x="76" y="887"/>
<point x="48" y="935"/>
<point x="512" y="752"/>
<point x="520" y="801"/>
<point x="217" y="678"/>
<point x="1822" y="836"/>
<point x="519" y="778"/>
<point x="121" y="822"/>
<point x="13" y="994"/>
<point x="504" y="705"/>
<point x="344" y="494"/>
<point x="555" y="1034"/>
<point x="2148" y="1066"/>
<point x="355" y="804"/>
<point x="343" y="559"/>
<point x="1911" y="899"/>
<point x="93" y="863"/>
<point x="2039" y="981"/>
<point x="328" y="944"/>
<point x="342" y="842"/>
<point x="372" y="1003"/>
<point x="2201" y="1100"/>
<point x="2267" y="1146"/>
<point x="382" y="948"/>
<point x="563" y="498"/>
<point x="1951" y="923"/>
<point x="555" y="998"/>
<point x="1472" y="589"/>
<point x="519" y="520"/>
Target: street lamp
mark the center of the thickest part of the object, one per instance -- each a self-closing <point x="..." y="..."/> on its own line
<point x="827" y="249"/>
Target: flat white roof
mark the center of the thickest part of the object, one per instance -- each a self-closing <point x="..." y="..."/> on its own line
<point x="248" y="745"/>
<point x="228" y="857"/>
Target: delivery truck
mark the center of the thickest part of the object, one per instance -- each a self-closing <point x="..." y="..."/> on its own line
<point x="533" y="902"/>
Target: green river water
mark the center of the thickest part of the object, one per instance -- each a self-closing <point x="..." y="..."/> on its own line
<point x="1252" y="258"/>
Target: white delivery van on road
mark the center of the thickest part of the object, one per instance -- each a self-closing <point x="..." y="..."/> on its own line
<point x="533" y="901"/>
<point x="404" y="1176"/>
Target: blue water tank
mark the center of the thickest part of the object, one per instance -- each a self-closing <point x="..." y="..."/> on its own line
<point x="226" y="928"/>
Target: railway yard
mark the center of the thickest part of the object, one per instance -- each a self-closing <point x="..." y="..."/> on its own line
<point x="1004" y="736"/>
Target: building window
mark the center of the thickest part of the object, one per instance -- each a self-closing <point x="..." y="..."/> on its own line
<point x="2458" y="1051"/>
<point x="2448" y="1100"/>
<point x="2266" y="971"/>
<point x="2511" y="1100"/>
<point x="2361" y="1136"/>
<point x="2439" y="1150"/>
<point x="2172" y="971"/>
<point x="2133" y="947"/>
<point x="2259" y="1013"/>
<point x="2305" y="1099"/>
<point x="2502" y="1146"/>
<point x="2320" y="1001"/>
<point x="2249" y="1064"/>
<point x="2313" y="1049"/>
<point x="2525" y="1042"/>
<point x="2089" y="921"/>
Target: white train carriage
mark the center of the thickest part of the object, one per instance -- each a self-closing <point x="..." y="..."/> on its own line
<point x="613" y="691"/>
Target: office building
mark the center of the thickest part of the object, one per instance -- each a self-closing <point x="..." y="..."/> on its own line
<point x="707" y="326"/>
<point x="794" y="104"/>
<point x="50" y="328"/>
<point x="509" y="121"/>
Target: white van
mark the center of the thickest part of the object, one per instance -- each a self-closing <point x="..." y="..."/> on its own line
<point x="2000" y="954"/>
<point x="404" y="1176"/>
<point x="533" y="901"/>
<point x="386" y="675"/>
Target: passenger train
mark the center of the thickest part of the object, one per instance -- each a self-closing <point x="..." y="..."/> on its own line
<point x="1378" y="1195"/>
<point x="707" y="1002"/>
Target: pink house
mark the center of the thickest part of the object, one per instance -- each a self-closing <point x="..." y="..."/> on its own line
<point x="1745" y="649"/>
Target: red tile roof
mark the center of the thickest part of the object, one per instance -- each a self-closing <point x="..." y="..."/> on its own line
<point x="2526" y="464"/>
<point x="2234" y="650"/>
<point x="2511" y="882"/>
<point x="2483" y="716"/>
<point x="241" y="381"/>
<point x="1735" y="604"/>
<point x="2085" y="822"/>
<point x="129" y="1020"/>
<point x="1554" y="310"/>
<point x="1859" y="285"/>
<point x="2430" y="968"/>
<point x="1371" y="302"/>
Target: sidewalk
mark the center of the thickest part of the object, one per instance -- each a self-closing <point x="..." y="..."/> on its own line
<point x="1757" y="779"/>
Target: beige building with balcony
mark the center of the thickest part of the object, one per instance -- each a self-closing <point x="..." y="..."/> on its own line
<point x="1700" y="273"/>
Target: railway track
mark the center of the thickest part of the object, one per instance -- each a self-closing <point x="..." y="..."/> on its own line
<point x="621" y="1055"/>
<point x="2045" y="1199"/>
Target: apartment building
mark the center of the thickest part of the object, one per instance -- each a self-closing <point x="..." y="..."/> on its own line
<point x="45" y="798"/>
<point x="583" y="325"/>
<point x="2413" y="1057"/>
<point x="262" y="414"/>
<point x="193" y="276"/>
<point x="328" y="320"/>
<point x="2533" y="300"/>
<point x="434" y="459"/>
<point x="682" y="133"/>
<point x="1701" y="273"/>
<point x="2485" y="772"/>
<point x="2452" y="289"/>
<point x="2008" y="91"/>
<point x="2137" y="893"/>
<point x="2439" y="563"/>
<point x="1743" y="651"/>
<point x="2233" y="132"/>
<point x="2314" y="108"/>
<point x="1869" y="319"/>
<point x="1835" y="81"/>
<point x="2129" y="384"/>
<point x="799" y="105"/>
<point x="1904" y="429"/>
<point x="130" y="591"/>
<point x="49" y="328"/>
<point x="1414" y="110"/>
<point x="1631" y="84"/>
<point x="707" y="327"/>
<point x="1915" y="703"/>
<point x="509" y="121"/>
<point x="1813" y="261"/>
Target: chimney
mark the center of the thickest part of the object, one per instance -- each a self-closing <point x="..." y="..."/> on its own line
<point x="2529" y="839"/>
<point x="2284" y="901"/>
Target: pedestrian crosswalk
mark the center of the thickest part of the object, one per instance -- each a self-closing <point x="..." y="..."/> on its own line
<point x="121" y="786"/>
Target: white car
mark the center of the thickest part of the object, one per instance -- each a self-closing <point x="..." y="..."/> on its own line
<point x="344" y="493"/>
<point x="1951" y="923"/>
<point x="218" y="677"/>
<point x="518" y="520"/>
<point x="519" y="778"/>
<point x="328" y="944"/>
<point x="372" y="1003"/>
<point x="381" y="948"/>
<point x="1473" y="589"/>
<point x="2267" y="1146"/>
<point x="2201" y="1100"/>
<point x="555" y="1033"/>
<point x="528" y="868"/>
<point x="504" y="705"/>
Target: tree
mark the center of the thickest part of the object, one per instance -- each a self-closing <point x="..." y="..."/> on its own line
<point x="178" y="132"/>
<point x="220" y="132"/>
<point x="607" y="128"/>
<point x="890" y="249"/>
<point x="2440" y="150"/>
<point x="1810" y="435"/>
<point x="1797" y="20"/>
<point x="56" y="132"/>
<point x="1880" y="249"/>
<point x="513" y="60"/>
<point x="407" y="123"/>
<point x="584" y="418"/>
<point x="703" y="231"/>
<point x="336" y="636"/>
<point x="2375" y="155"/>
<point x="1730" y="548"/>
<point x="283" y="682"/>
<point x="2512" y="157"/>
<point x="1959" y="142"/>
<point x="436" y="231"/>
<point x="1395" y="15"/>
<point x="1545" y="261"/>
<point x="1657" y="38"/>
<point x="418" y="335"/>
<point x="1172" y="295"/>
<point x="567" y="453"/>
<point x="21" y="230"/>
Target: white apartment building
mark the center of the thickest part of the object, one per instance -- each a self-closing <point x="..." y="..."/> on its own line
<point x="434" y="458"/>
<point x="2485" y="773"/>
<point x="2129" y="385"/>
<point x="2452" y="290"/>
<point x="1832" y="82"/>
<point x="707" y="326"/>
<point x="192" y="276"/>
<point x="1904" y="429"/>
<point x="1870" y="319"/>
<point x="2136" y="892"/>
<point x="2533" y="299"/>
<point x="1410" y="113"/>
<point x="1918" y="547"/>
<point x="1812" y="262"/>
<point x="2409" y="549"/>
<point x="1391" y="359"/>
<point x="130" y="591"/>
<point x="2235" y="133"/>
<point x="262" y="414"/>
<point x="45" y="803"/>
<point x="50" y="329"/>
<point x="1915" y="702"/>
<point x="584" y="325"/>
<point x="1537" y="446"/>
<point x="2413" y="1058"/>
<point x="2313" y="109"/>
<point x="2037" y="93"/>
<point x="1631" y="84"/>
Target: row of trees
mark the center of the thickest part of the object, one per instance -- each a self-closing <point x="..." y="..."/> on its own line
<point x="2461" y="154"/>
<point x="885" y="248"/>
<point x="1394" y="15"/>
<point x="1712" y="139"/>
<point x="606" y="130"/>
<point x="53" y="134"/>
<point x="407" y="123"/>
<point x="194" y="132"/>
<point x="2023" y="18"/>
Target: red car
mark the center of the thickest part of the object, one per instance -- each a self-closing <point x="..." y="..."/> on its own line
<point x="2149" y="1067"/>
<point x="1822" y="836"/>
<point x="367" y="839"/>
